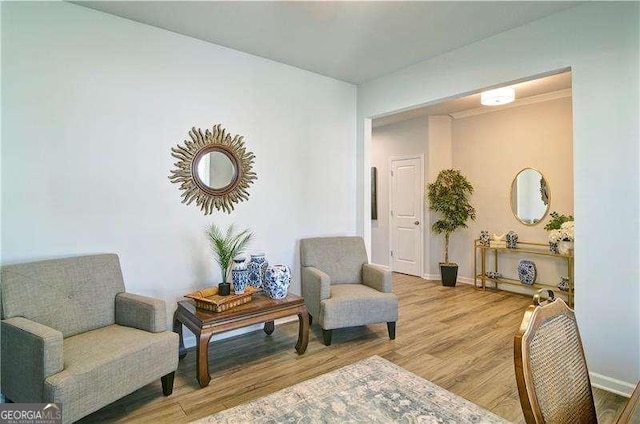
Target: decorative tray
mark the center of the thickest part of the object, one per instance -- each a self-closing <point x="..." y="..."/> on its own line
<point x="209" y="299"/>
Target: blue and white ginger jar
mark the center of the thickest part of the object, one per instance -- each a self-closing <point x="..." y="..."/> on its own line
<point x="257" y="267"/>
<point x="512" y="240"/>
<point x="527" y="272"/>
<point x="277" y="280"/>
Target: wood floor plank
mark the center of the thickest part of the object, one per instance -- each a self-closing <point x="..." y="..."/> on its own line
<point x="459" y="338"/>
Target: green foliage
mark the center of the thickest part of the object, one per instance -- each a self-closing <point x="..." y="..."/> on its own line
<point x="557" y="220"/>
<point x="227" y="245"/>
<point x="449" y="196"/>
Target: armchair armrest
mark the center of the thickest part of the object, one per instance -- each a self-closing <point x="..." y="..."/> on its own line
<point x="377" y="278"/>
<point x="31" y="352"/>
<point x="316" y="286"/>
<point x="144" y="313"/>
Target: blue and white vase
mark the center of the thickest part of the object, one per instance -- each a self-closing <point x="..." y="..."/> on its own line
<point x="564" y="284"/>
<point x="553" y="247"/>
<point x="257" y="267"/>
<point x="277" y="280"/>
<point x="527" y="272"/>
<point x="512" y="240"/>
<point x="239" y="275"/>
<point x="484" y="238"/>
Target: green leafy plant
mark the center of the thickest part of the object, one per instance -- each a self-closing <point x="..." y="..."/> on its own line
<point x="226" y="245"/>
<point x="557" y="220"/>
<point x="449" y="196"/>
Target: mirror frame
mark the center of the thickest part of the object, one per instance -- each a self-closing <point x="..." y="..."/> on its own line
<point x="186" y="172"/>
<point x="547" y="193"/>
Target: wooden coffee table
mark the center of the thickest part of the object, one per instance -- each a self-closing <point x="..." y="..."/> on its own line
<point x="261" y="309"/>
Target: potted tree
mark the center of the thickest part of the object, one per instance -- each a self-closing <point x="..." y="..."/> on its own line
<point x="449" y="195"/>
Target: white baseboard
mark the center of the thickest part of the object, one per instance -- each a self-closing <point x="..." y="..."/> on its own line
<point x="612" y="385"/>
<point x="436" y="277"/>
<point x="382" y="266"/>
<point x="190" y="340"/>
<point x="465" y="280"/>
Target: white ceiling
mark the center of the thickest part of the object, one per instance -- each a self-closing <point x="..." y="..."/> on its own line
<point x="533" y="90"/>
<point x="353" y="41"/>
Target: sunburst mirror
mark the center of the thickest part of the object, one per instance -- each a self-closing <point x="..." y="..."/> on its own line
<point x="214" y="169"/>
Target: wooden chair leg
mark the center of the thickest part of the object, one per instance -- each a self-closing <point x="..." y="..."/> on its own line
<point x="167" y="383"/>
<point x="326" y="337"/>
<point x="391" y="327"/>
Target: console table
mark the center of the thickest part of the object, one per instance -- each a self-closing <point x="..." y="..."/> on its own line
<point x="534" y="249"/>
<point x="261" y="309"/>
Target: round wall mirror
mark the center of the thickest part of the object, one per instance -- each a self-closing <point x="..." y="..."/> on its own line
<point x="216" y="169"/>
<point x="529" y="196"/>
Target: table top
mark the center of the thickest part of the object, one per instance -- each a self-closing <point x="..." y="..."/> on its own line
<point x="260" y="304"/>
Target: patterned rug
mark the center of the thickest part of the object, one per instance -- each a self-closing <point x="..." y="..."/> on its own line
<point x="372" y="390"/>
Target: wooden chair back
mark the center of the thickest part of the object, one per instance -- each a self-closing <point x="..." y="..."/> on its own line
<point x="550" y="366"/>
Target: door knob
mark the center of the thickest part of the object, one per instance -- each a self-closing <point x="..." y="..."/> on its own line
<point x="417" y="222"/>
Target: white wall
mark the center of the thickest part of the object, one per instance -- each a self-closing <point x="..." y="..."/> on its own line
<point x="600" y="42"/>
<point x="400" y="139"/>
<point x="92" y="105"/>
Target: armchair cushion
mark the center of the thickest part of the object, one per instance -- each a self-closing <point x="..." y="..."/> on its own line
<point x="82" y="289"/>
<point x="106" y="364"/>
<point x="30" y="353"/>
<point x="141" y="312"/>
<point x="341" y="258"/>
<point x="377" y="277"/>
<point x="357" y="304"/>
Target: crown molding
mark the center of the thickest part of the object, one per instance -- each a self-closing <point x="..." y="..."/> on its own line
<point x="516" y="103"/>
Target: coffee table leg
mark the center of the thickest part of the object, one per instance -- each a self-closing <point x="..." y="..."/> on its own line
<point x="269" y="326"/>
<point x="202" y="359"/>
<point x="177" y="328"/>
<point x="303" y="330"/>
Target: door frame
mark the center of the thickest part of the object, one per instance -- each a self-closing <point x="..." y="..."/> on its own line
<point x="390" y="185"/>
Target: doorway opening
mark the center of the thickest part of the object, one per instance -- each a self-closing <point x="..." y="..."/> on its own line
<point x="490" y="145"/>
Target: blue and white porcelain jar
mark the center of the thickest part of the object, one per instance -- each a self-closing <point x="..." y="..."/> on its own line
<point x="527" y="272"/>
<point x="512" y="240"/>
<point x="484" y="238"/>
<point x="277" y="280"/>
<point x="239" y="275"/>
<point x="257" y="267"/>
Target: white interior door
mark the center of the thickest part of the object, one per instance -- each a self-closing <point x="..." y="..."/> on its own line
<point x="407" y="181"/>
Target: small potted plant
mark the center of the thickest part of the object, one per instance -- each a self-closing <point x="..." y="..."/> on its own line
<point x="449" y="196"/>
<point x="226" y="245"/>
<point x="560" y="229"/>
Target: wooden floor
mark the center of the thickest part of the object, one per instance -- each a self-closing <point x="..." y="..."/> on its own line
<point x="459" y="338"/>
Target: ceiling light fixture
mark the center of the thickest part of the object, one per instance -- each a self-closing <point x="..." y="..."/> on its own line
<point x="499" y="96"/>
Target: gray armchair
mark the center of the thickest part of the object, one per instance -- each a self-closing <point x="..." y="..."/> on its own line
<point x="71" y="335"/>
<point x="341" y="289"/>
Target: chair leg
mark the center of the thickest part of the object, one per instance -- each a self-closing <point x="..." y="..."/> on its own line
<point x="167" y="383"/>
<point x="326" y="337"/>
<point x="391" y="327"/>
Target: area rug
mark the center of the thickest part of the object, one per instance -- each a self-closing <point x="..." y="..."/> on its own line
<point x="372" y="390"/>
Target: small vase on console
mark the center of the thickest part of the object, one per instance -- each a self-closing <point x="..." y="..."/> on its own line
<point x="277" y="280"/>
<point x="257" y="267"/>
<point x="239" y="275"/>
